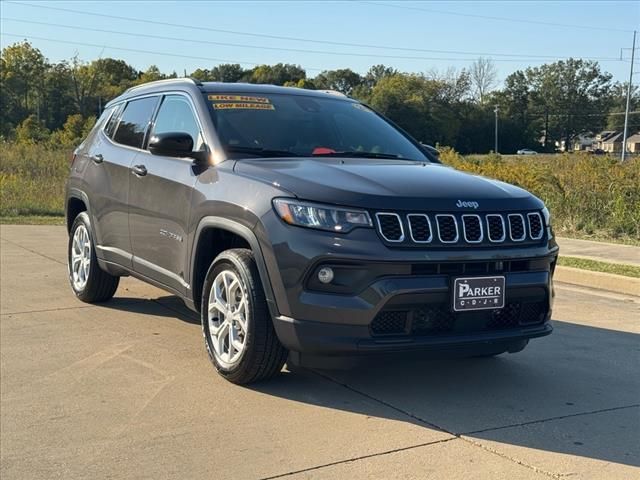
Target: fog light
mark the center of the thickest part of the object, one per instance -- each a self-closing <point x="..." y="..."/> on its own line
<point x="325" y="275"/>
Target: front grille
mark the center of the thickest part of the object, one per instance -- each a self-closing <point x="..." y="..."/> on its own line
<point x="438" y="319"/>
<point x="483" y="229"/>
<point x="390" y="226"/>
<point x="447" y="228"/>
<point x="391" y="322"/>
<point x="472" y="227"/>
<point x="420" y="228"/>
<point x="535" y="225"/>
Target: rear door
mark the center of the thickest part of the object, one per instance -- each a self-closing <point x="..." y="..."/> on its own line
<point x="108" y="175"/>
<point x="160" y="199"/>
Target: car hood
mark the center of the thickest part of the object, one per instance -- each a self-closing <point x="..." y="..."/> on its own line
<point x="387" y="184"/>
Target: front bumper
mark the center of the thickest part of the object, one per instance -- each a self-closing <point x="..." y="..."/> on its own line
<point x="344" y="320"/>
<point x="421" y="317"/>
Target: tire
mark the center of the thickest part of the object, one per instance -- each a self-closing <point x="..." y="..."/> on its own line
<point x="233" y="285"/>
<point x="91" y="285"/>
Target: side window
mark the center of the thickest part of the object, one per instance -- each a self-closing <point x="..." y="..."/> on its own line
<point x="134" y="122"/>
<point x="176" y="115"/>
<point x="110" y="126"/>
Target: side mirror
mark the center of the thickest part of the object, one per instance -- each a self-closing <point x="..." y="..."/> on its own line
<point x="175" y="144"/>
<point x="171" y="144"/>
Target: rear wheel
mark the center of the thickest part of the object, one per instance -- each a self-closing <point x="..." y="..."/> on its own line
<point x="236" y="324"/>
<point x="89" y="282"/>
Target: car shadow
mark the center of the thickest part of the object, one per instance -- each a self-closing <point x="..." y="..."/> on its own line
<point x="575" y="392"/>
<point x="166" y="306"/>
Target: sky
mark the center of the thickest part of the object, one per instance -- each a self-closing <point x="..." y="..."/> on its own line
<point x="411" y="36"/>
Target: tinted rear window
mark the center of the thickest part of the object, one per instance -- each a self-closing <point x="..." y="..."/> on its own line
<point x="135" y="121"/>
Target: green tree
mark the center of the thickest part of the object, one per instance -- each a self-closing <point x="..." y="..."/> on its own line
<point x="618" y="104"/>
<point x="22" y="69"/>
<point x="575" y="94"/>
<point x="342" y="80"/>
<point x="376" y="73"/>
<point x="277" y="74"/>
<point x="74" y="130"/>
<point x="151" y="74"/>
<point x="227" y="72"/>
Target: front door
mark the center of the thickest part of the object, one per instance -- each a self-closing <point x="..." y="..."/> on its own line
<point x="160" y="198"/>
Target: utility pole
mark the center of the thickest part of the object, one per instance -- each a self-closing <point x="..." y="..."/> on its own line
<point x="495" y="143"/>
<point x="626" y="111"/>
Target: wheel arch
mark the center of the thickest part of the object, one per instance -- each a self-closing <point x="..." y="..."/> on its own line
<point x="77" y="202"/>
<point x="229" y="234"/>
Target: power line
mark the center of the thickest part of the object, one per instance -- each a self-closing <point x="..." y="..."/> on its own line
<point x="279" y="37"/>
<point x="135" y="50"/>
<point x="502" y="19"/>
<point x="298" y="50"/>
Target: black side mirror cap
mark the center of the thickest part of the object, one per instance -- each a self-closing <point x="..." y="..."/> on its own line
<point x="177" y="144"/>
<point x="171" y="144"/>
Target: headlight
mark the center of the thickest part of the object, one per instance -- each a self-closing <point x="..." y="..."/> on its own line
<point x="321" y="217"/>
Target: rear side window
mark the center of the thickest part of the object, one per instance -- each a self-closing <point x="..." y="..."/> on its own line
<point x="175" y="115"/>
<point x="134" y="122"/>
<point x="111" y="125"/>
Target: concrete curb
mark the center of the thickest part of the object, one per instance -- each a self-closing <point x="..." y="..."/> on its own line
<point x="603" y="281"/>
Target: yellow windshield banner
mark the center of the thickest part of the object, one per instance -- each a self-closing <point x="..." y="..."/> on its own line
<point x="243" y="106"/>
<point x="238" y="98"/>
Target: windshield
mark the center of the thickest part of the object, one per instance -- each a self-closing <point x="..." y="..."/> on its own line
<point x="253" y="125"/>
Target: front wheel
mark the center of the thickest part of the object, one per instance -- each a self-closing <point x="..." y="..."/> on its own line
<point x="89" y="282"/>
<point x="236" y="324"/>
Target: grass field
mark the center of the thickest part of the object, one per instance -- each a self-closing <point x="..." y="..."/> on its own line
<point x="588" y="196"/>
<point x="32" y="182"/>
<point x="596" y="266"/>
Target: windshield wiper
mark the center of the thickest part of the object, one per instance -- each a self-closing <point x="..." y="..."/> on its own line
<point x="352" y="153"/>
<point x="260" y="152"/>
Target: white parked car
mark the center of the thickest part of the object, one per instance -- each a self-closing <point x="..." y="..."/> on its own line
<point x="526" y="151"/>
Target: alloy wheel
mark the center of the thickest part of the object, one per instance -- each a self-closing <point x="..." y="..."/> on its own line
<point x="227" y="318"/>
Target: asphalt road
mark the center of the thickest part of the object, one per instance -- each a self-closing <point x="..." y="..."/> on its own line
<point x="125" y="390"/>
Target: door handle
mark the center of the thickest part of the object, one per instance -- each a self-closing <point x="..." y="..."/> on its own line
<point x="139" y="170"/>
<point x="97" y="158"/>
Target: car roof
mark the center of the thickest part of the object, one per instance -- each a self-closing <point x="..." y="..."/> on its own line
<point x="196" y="87"/>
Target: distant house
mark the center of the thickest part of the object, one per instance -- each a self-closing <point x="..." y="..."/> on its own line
<point x="633" y="143"/>
<point x="603" y="137"/>
<point x="583" y="142"/>
<point x="613" y="143"/>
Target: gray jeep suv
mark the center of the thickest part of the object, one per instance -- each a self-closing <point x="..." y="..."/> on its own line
<point x="302" y="223"/>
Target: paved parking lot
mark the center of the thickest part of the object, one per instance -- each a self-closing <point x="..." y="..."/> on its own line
<point x="125" y="390"/>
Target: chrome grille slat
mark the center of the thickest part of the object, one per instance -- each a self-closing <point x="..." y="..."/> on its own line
<point x="414" y="218"/>
<point x="440" y="219"/>
<point x="492" y="227"/>
<point x="516" y="221"/>
<point x="535" y="224"/>
<point x="388" y="229"/>
<point x="468" y="225"/>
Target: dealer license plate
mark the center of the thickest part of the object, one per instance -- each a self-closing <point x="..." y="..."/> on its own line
<point x="478" y="293"/>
